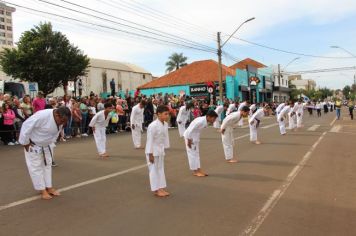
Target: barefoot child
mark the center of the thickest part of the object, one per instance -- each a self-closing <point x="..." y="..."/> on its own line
<point x="183" y="117"/>
<point x="99" y="123"/>
<point x="37" y="135"/>
<point x="157" y="142"/>
<point x="227" y="135"/>
<point x="255" y="121"/>
<point x="192" y="139"/>
<point x="136" y="120"/>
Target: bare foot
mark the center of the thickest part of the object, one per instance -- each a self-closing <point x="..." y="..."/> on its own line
<point x="159" y="193"/>
<point x="53" y="192"/>
<point x="232" y="161"/>
<point x="45" y="195"/>
<point x="165" y="192"/>
<point x="258" y="142"/>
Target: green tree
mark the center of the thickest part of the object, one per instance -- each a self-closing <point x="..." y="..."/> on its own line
<point x="46" y="57"/>
<point x="346" y="91"/>
<point x="176" y="61"/>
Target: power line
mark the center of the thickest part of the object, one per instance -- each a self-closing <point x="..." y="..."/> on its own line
<point x="156" y="18"/>
<point x="111" y="28"/>
<point x="289" y="52"/>
<point x="170" y="17"/>
<point x="140" y="25"/>
<point x="118" y="23"/>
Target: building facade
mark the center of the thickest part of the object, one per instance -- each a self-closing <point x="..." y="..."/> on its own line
<point x="127" y="78"/>
<point x="6" y="26"/>
<point x="299" y="83"/>
<point x="281" y="90"/>
<point x="200" y="80"/>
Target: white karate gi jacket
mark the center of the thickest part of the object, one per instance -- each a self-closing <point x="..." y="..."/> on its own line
<point x="257" y="116"/>
<point x="136" y="117"/>
<point x="183" y="114"/>
<point x="99" y="121"/>
<point x="231" y="109"/>
<point x="40" y="128"/>
<point x="157" y="138"/>
<point x="280" y="107"/>
<point x="195" y="128"/>
<point x="231" y="120"/>
<point x="284" y="112"/>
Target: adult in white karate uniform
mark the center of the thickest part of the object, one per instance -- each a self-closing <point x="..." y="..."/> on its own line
<point x="136" y="120"/>
<point x="38" y="133"/>
<point x="183" y="117"/>
<point x="282" y="117"/>
<point x="232" y="108"/>
<point x="279" y="108"/>
<point x="292" y="116"/>
<point x="98" y="124"/>
<point x="300" y="113"/>
<point x="192" y="140"/>
<point x="255" y="121"/>
<point x="243" y="104"/>
<point x="227" y="135"/>
<point x="157" y="142"/>
<point x="219" y="110"/>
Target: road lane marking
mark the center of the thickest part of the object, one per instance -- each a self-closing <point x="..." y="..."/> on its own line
<point x="74" y="186"/>
<point x="269" y="126"/>
<point x="335" y="129"/>
<point x="314" y="127"/>
<point x="278" y="193"/>
<point x="332" y="122"/>
<point x="246" y="135"/>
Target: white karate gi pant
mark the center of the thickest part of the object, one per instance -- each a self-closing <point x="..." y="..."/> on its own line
<point x="217" y="124"/>
<point x="100" y="140"/>
<point x="136" y="135"/>
<point x="253" y="132"/>
<point x="228" y="143"/>
<point x="299" y="121"/>
<point x="282" y="126"/>
<point x="241" y="122"/>
<point x="41" y="174"/>
<point x="181" y="129"/>
<point x="156" y="173"/>
<point x="193" y="155"/>
<point x="292" y="122"/>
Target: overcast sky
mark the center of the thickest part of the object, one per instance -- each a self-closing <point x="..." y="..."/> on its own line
<point x="303" y="26"/>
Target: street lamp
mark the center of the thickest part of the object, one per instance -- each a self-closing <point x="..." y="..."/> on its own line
<point x="220" y="46"/>
<point x="297" y="58"/>
<point x="348" y="52"/>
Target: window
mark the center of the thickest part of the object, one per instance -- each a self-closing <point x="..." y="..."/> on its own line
<point x="2" y="19"/>
<point x="9" y="28"/>
<point x="8" y="35"/>
<point x="2" y="41"/>
<point x="2" y="34"/>
<point x="2" y="12"/>
<point x="9" y="42"/>
<point x="8" y="13"/>
<point x="2" y="26"/>
<point x="8" y="21"/>
<point x="144" y="76"/>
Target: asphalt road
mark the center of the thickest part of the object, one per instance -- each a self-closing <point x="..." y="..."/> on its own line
<point x="299" y="184"/>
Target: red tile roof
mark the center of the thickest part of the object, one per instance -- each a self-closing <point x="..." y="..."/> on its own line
<point x="248" y="61"/>
<point x="195" y="73"/>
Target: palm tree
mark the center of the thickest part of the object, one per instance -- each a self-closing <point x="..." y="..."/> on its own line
<point x="175" y="62"/>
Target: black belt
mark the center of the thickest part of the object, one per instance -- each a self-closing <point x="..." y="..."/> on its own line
<point x="258" y="122"/>
<point x="43" y="152"/>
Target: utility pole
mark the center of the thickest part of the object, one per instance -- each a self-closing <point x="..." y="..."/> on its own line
<point x="279" y="83"/>
<point x="220" y="46"/>
<point x="220" y="68"/>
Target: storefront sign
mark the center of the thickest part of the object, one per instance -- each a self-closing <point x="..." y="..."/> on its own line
<point x="254" y="81"/>
<point x="198" y="89"/>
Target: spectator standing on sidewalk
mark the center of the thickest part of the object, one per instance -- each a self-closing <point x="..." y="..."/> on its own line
<point x="351" y="106"/>
<point x="338" y="108"/>
<point x="39" y="103"/>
